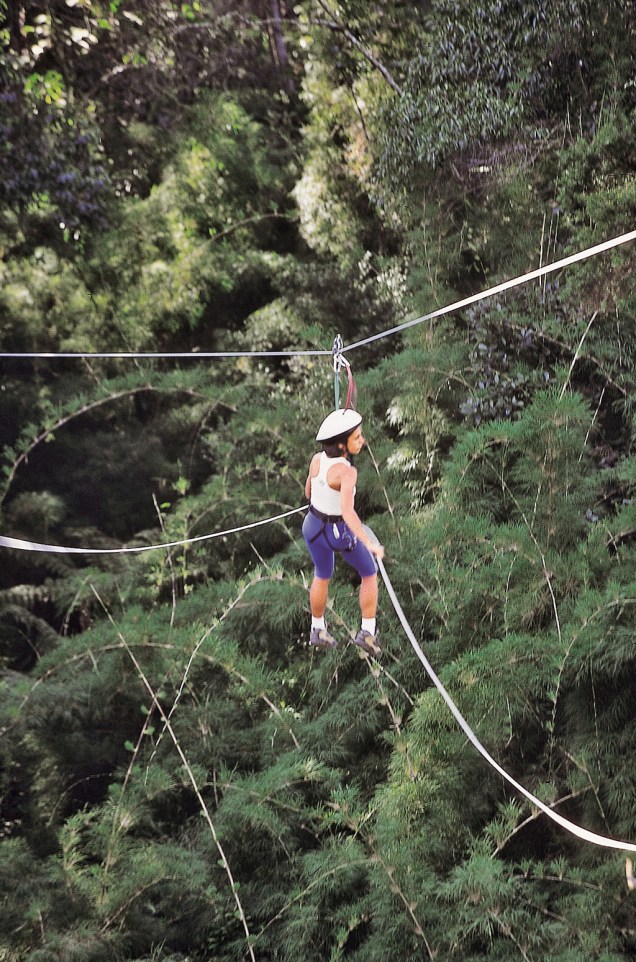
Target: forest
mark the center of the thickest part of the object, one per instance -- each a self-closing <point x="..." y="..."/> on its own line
<point x="197" y="198"/>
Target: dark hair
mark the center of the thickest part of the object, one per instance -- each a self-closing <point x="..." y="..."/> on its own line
<point x="332" y="446"/>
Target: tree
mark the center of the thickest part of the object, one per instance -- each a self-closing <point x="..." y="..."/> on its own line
<point x="179" y="775"/>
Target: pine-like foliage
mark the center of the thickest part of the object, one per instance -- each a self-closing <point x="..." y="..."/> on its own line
<point x="182" y="779"/>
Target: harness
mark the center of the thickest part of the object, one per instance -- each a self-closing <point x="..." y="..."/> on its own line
<point x="347" y="539"/>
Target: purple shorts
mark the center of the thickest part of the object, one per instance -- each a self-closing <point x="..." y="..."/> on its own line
<point x="325" y="538"/>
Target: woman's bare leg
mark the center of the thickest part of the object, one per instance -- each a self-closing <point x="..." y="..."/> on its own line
<point x="318" y="596"/>
<point x="369" y="596"/>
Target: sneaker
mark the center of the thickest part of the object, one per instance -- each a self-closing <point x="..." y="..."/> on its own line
<point x="320" y="638"/>
<point x="368" y="642"/>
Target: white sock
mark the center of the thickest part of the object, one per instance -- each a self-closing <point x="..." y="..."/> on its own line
<point x="368" y="624"/>
<point x="318" y="622"/>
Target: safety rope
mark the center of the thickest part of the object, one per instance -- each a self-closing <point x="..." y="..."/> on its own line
<point x="340" y="362"/>
<point x="457" y="305"/>
<point x="581" y="833"/>
<point x="19" y="544"/>
<point x="337" y="364"/>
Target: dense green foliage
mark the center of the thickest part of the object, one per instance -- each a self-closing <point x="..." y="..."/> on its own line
<point x="181" y="778"/>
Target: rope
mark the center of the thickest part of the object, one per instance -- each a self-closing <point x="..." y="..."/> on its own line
<point x="457" y="305"/>
<point x="581" y="833"/>
<point x="162" y="354"/>
<point x="19" y="545"/>
<point x="499" y="288"/>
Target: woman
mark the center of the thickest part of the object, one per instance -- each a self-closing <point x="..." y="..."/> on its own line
<point x="332" y="525"/>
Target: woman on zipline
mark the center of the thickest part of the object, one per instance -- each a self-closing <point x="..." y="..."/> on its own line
<point x="332" y="525"/>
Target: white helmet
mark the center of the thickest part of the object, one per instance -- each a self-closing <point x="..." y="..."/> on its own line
<point x="338" y="422"/>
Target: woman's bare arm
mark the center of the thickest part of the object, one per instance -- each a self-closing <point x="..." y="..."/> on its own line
<point x="349" y="514"/>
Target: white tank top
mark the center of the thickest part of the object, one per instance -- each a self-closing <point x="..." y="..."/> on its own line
<point x="323" y="497"/>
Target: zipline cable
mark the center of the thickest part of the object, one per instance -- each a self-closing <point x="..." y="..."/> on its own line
<point x="457" y="305"/>
<point x="498" y="288"/>
<point x="339" y="361"/>
<point x="19" y="544"/>
<point x="581" y="833"/>
<point x="163" y="354"/>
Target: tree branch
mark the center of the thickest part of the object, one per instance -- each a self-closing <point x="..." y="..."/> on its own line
<point x="186" y="764"/>
<point x="334" y="24"/>
<point x="48" y="432"/>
